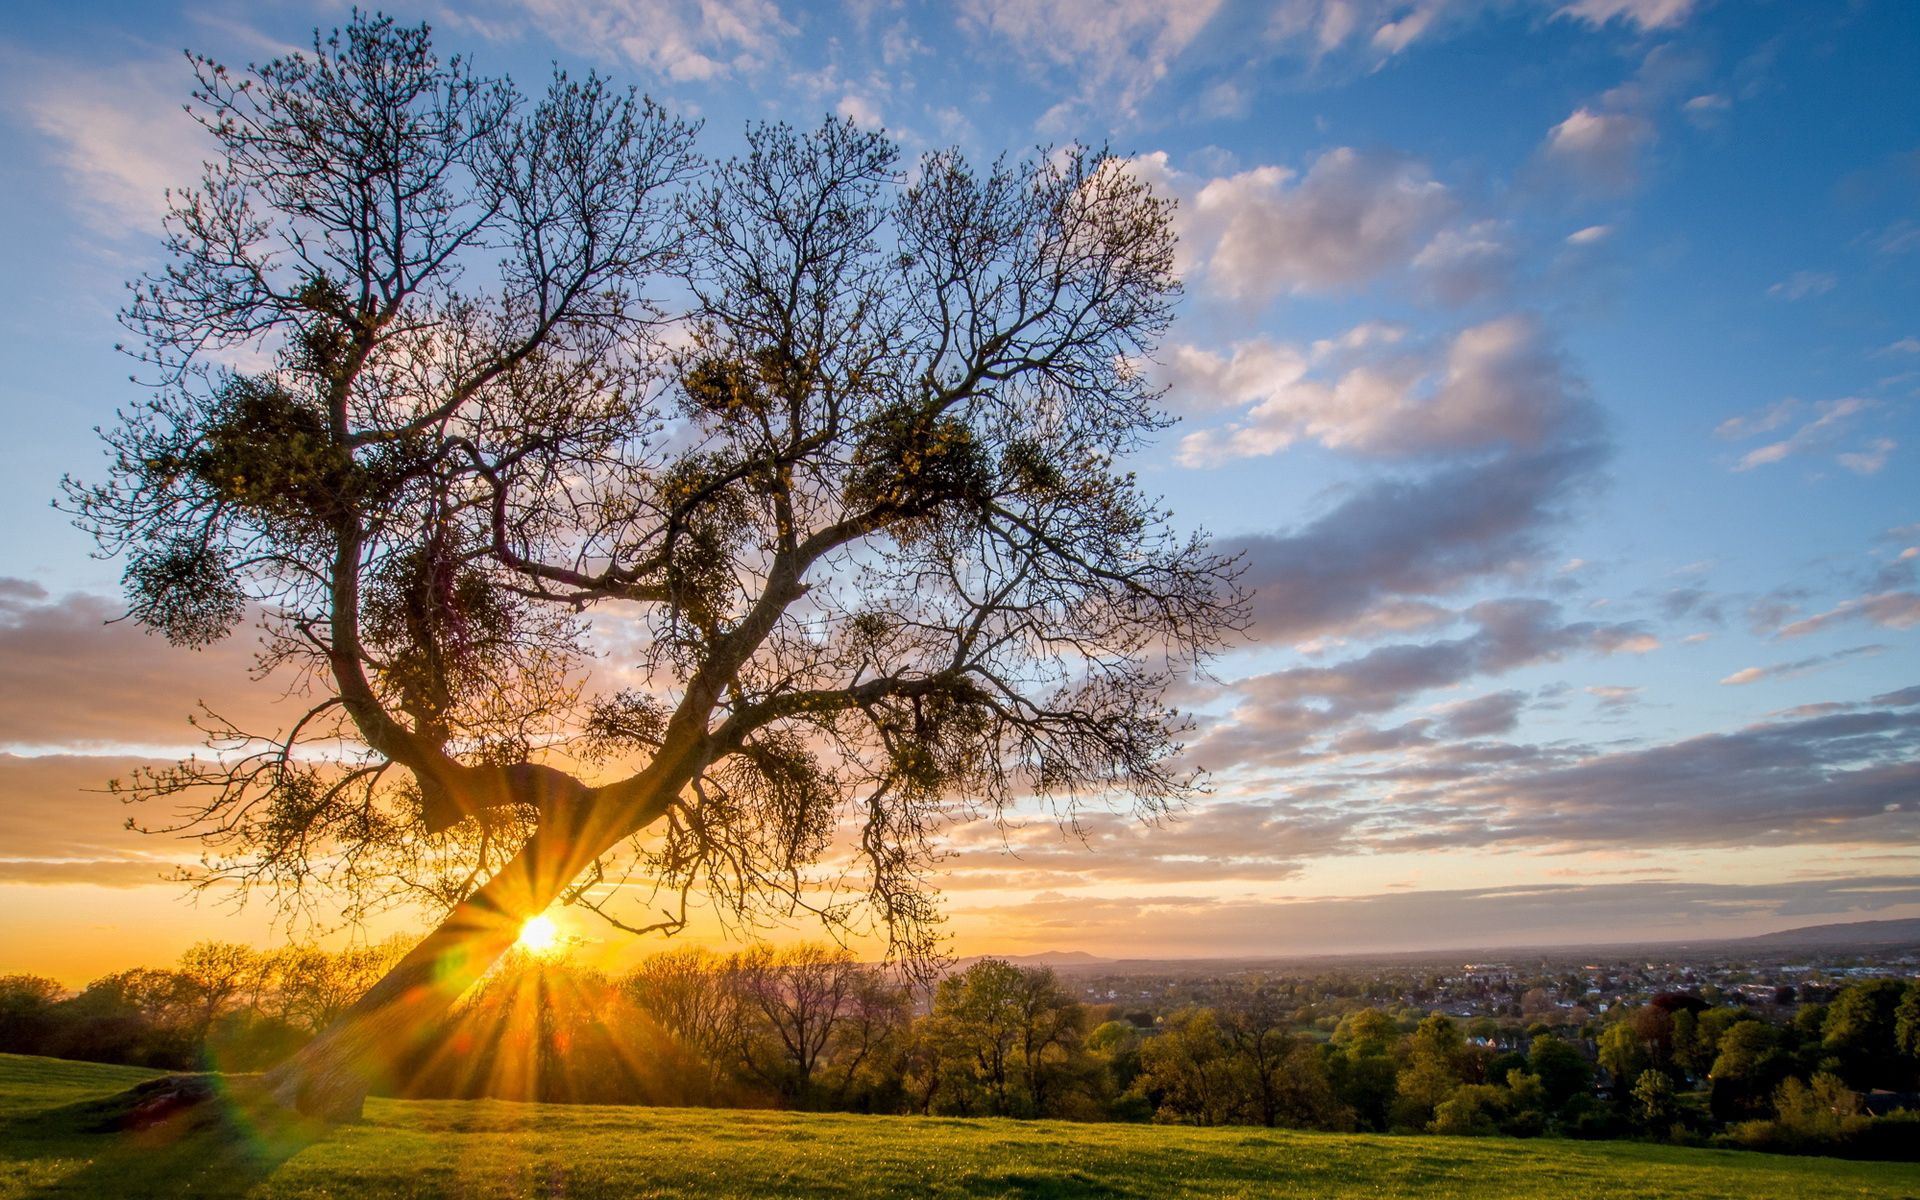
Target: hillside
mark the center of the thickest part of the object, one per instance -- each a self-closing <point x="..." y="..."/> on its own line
<point x="425" y="1149"/>
<point x="1846" y="933"/>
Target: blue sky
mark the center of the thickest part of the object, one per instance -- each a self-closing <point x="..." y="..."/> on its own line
<point x="1554" y="364"/>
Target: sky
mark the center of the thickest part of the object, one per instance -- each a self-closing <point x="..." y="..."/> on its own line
<point x="1554" y="366"/>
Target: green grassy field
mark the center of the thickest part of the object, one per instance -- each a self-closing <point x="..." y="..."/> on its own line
<point x="493" y="1149"/>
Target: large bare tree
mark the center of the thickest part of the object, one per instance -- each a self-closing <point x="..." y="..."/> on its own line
<point x="438" y="371"/>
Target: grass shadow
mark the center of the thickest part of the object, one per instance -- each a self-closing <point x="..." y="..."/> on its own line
<point x="223" y="1146"/>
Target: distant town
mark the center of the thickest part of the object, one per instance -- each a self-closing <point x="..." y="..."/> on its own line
<point x="1555" y="986"/>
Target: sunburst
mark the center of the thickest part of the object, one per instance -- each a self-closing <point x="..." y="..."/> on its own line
<point x="539" y="935"/>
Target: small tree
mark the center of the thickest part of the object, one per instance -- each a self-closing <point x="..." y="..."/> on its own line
<point x="1653" y="1102"/>
<point x="840" y="447"/>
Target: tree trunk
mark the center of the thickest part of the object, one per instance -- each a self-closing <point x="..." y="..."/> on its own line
<point x="330" y="1077"/>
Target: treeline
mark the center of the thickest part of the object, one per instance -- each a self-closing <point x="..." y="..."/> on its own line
<point x="222" y="1005"/>
<point x="811" y="1027"/>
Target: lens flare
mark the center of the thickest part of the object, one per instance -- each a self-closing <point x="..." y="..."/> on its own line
<point x="539" y="936"/>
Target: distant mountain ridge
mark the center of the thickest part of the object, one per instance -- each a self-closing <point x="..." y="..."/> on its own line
<point x="1046" y="958"/>
<point x="1845" y="933"/>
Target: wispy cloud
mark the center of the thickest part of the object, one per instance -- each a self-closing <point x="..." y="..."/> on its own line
<point x="682" y="43"/>
<point x="119" y="132"/>
<point x="1802" y="284"/>
<point x="1115" y="54"/>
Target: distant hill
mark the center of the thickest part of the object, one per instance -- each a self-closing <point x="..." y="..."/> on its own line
<point x="1845" y="933"/>
<point x="1046" y="958"/>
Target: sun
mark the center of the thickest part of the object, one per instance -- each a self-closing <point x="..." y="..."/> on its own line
<point x="539" y="936"/>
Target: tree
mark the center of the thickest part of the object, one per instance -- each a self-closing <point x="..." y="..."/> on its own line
<point x="1186" y="1069"/>
<point x="1284" y="1088"/>
<point x="862" y="506"/>
<point x="1433" y="1051"/>
<point x="805" y="1008"/>
<point x="1562" y="1070"/>
<point x="1862" y="1033"/>
<point x="1747" y="1069"/>
<point x="1653" y="1101"/>
<point x="27" y="1012"/>
<point x="1623" y="1055"/>
<point x="1002" y="1032"/>
<point x="212" y="974"/>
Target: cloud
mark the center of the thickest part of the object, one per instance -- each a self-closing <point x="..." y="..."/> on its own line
<point x="1511" y="634"/>
<point x="101" y="872"/>
<point x="1499" y="386"/>
<point x="1706" y="111"/>
<point x="1614" y="696"/>
<point x="684" y="43"/>
<point x="1901" y="237"/>
<point x="1600" y="149"/>
<point x="1591" y="235"/>
<point x="1397" y="538"/>
<point x="1831" y="420"/>
<point x="70" y="678"/>
<point x="1647" y="14"/>
<point x="1384" y="28"/>
<point x="1463" y="264"/>
<point x="1765" y="421"/>
<point x="58" y="825"/>
<point x="1830" y="777"/>
<point x="1870" y="460"/>
<point x="120" y="134"/>
<point x="1279" y="717"/>
<point x="1352" y="216"/>
<point x="1486" y="716"/>
<point x="1889" y="610"/>
<point x="1906" y="345"/>
<point x="1802" y="284"/>
<point x="860" y="110"/>
<point x="1115" y="54"/>
<point x="1265" y="840"/>
<point x="1790" y="670"/>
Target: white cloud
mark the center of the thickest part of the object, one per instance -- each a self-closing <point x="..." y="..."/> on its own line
<point x="1116" y="52"/>
<point x="1831" y="419"/>
<point x="681" y="42"/>
<point x="122" y="138"/>
<point x="1354" y="215"/>
<point x="1589" y="236"/>
<point x="1600" y="149"/>
<point x="1906" y="345"/>
<point x="1495" y="385"/>
<point x="1706" y="111"/>
<point x="860" y="110"/>
<point x="1769" y="418"/>
<point x="1870" y="460"/>
<point x="1647" y="14"/>
<point x="1801" y="284"/>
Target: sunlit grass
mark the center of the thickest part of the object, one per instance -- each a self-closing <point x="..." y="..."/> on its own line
<point x="489" y="1149"/>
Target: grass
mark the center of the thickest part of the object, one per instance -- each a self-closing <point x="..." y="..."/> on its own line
<point x="495" y="1149"/>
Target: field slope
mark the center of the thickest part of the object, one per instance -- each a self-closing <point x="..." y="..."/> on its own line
<point x="492" y="1149"/>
